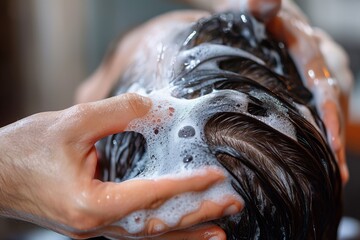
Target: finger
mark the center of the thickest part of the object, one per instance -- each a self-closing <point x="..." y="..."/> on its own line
<point x="210" y="211"/>
<point x="299" y="37"/>
<point x="207" y="212"/>
<point x="95" y="120"/>
<point x="305" y="49"/>
<point x="332" y="121"/>
<point x="344" y="171"/>
<point x="116" y="200"/>
<point x="203" y="232"/>
<point x="264" y="10"/>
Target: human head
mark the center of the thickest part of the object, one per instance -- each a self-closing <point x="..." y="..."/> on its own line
<point x="286" y="174"/>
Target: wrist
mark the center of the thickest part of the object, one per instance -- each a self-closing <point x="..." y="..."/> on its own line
<point x="10" y="187"/>
<point x="4" y="178"/>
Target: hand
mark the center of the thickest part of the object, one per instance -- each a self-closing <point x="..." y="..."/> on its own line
<point x="313" y="52"/>
<point x="47" y="168"/>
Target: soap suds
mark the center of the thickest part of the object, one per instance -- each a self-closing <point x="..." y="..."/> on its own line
<point x="176" y="146"/>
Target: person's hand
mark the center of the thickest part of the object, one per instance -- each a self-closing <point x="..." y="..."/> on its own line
<point x="314" y="52"/>
<point x="47" y="167"/>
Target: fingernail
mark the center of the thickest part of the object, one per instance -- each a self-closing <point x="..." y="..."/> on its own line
<point x="146" y="101"/>
<point x="215" y="173"/>
<point x="344" y="170"/>
<point x="231" y="210"/>
<point x="159" y="228"/>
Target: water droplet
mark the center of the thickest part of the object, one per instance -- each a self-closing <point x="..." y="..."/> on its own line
<point x="186" y="132"/>
<point x="188" y="158"/>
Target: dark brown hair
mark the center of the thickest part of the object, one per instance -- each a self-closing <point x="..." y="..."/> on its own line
<point x="291" y="186"/>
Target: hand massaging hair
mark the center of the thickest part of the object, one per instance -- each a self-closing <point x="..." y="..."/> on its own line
<point x="290" y="183"/>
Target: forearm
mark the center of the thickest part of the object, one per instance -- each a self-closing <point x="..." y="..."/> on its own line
<point x="13" y="174"/>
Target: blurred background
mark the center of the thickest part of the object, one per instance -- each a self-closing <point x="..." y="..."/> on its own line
<point x="49" y="47"/>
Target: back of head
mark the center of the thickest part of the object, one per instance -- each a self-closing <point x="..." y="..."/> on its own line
<point x="286" y="174"/>
<point x="291" y="186"/>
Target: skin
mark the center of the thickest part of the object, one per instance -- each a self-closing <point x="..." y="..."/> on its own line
<point x="47" y="175"/>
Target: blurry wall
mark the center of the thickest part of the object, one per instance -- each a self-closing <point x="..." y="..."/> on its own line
<point x="11" y="106"/>
<point x="107" y="20"/>
<point x="51" y="39"/>
<point x="340" y="18"/>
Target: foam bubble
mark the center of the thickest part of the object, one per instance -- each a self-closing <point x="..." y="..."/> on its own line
<point x="176" y="147"/>
<point x="186" y="132"/>
<point x="188" y="158"/>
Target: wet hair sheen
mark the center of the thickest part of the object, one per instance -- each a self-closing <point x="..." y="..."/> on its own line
<point x="291" y="188"/>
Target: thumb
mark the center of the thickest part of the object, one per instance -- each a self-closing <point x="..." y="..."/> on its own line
<point x="102" y="118"/>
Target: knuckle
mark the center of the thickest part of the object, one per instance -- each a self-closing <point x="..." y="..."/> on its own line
<point x="133" y="101"/>
<point x="78" y="111"/>
<point x="156" y="199"/>
<point x="73" y="118"/>
<point x="152" y="229"/>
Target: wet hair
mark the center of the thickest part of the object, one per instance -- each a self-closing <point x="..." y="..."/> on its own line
<point x="291" y="187"/>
